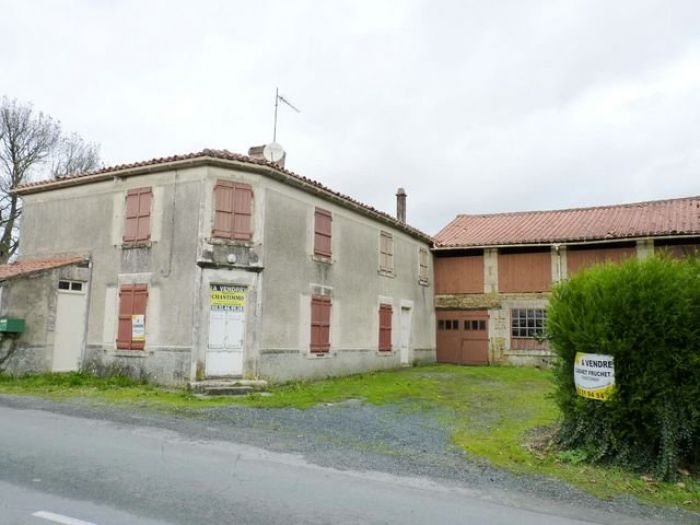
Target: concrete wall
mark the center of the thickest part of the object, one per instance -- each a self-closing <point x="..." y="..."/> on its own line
<point x="276" y="266"/>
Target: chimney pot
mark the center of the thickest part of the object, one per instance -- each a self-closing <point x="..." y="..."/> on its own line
<point x="401" y="205"/>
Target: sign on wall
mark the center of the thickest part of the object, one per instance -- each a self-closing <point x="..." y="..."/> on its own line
<point x="138" y="327"/>
<point x="594" y="375"/>
<point x="227" y="298"/>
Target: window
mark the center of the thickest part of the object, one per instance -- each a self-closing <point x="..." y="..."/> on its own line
<point x="322" y="232"/>
<point x="423" y="258"/>
<point x="448" y="324"/>
<point x="527" y="322"/>
<point x="475" y="324"/>
<point x="320" y="324"/>
<point x="232" y="210"/>
<point x="131" y="332"/>
<point x="72" y="286"/>
<point x="138" y="215"/>
<point x="385" y="313"/>
<point x="386" y="252"/>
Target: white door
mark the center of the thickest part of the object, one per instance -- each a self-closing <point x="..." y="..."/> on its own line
<point x="226" y="330"/>
<point x="70" y="326"/>
<point x="404" y="334"/>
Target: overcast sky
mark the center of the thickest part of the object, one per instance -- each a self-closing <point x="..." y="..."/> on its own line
<point x="472" y="106"/>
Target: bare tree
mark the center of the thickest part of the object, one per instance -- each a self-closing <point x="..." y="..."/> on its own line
<point x="31" y="145"/>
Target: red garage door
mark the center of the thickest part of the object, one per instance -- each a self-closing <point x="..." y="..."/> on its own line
<point x="463" y="337"/>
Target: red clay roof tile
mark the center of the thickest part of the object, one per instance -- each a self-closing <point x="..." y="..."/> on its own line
<point x="642" y="219"/>
<point x="29" y="266"/>
<point x="94" y="176"/>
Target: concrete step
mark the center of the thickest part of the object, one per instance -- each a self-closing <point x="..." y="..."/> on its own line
<point x="227" y="387"/>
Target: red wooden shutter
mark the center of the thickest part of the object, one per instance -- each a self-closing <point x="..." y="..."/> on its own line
<point x="322" y="232"/>
<point x="233" y="204"/>
<point x="243" y="200"/>
<point x="320" y="323"/>
<point x="133" y="299"/>
<point x="223" y="209"/>
<point x="138" y="215"/>
<point x="385" y="314"/>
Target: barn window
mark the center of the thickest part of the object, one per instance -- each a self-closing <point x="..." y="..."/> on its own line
<point x="528" y="322"/>
<point x="233" y="210"/>
<point x="138" y="215"/>
<point x="385" y="314"/>
<point x="423" y="258"/>
<point x="386" y="252"/>
<point x="131" y="332"/>
<point x="322" y="232"/>
<point x="320" y="324"/>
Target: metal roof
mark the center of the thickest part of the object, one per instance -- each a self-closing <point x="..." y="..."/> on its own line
<point x="211" y="156"/>
<point x="643" y="219"/>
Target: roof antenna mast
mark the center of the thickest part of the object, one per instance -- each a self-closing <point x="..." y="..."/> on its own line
<point x="279" y="98"/>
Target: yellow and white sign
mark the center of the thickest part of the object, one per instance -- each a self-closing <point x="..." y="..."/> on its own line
<point x="223" y="297"/>
<point x="138" y="327"/>
<point x="594" y="375"/>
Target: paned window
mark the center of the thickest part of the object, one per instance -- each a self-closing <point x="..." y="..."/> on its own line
<point x="527" y="322"/>
<point x="138" y="215"/>
<point x="322" y="232"/>
<point x="131" y="332"/>
<point x="320" y="324"/>
<point x="386" y="252"/>
<point x="385" y="315"/>
<point x="233" y="203"/>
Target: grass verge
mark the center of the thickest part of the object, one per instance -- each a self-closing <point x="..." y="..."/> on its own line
<point x="493" y="413"/>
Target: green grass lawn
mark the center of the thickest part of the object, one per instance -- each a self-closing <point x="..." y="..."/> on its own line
<point x="490" y="411"/>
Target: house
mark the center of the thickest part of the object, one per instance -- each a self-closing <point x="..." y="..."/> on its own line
<point x="211" y="265"/>
<point x="494" y="273"/>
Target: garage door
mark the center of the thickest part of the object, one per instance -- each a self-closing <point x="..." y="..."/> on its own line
<point x="463" y="337"/>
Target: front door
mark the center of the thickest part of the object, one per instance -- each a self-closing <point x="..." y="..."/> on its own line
<point x="226" y="330"/>
<point x="70" y="326"/>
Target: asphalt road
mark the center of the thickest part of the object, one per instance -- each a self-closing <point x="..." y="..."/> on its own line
<point x="56" y="468"/>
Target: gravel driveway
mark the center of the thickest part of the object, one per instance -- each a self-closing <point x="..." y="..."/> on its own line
<point x="395" y="439"/>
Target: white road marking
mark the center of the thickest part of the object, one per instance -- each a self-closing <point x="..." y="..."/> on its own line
<point x="60" y="518"/>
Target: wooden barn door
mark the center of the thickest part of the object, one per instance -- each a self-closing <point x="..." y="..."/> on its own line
<point x="463" y="337"/>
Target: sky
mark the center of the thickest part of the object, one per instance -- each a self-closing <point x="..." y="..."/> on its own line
<point x="471" y="106"/>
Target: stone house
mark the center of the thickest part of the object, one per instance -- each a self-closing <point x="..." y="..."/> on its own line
<point x="212" y="265"/>
<point x="494" y="273"/>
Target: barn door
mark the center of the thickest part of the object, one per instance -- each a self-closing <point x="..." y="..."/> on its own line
<point x="226" y="330"/>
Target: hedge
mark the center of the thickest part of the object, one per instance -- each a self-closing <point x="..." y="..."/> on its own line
<point x="646" y="314"/>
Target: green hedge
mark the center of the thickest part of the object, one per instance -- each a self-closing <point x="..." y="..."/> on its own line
<point x="646" y="314"/>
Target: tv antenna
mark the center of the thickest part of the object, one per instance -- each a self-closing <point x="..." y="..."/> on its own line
<point x="279" y="98"/>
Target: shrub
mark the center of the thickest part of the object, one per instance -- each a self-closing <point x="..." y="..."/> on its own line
<point x="646" y="314"/>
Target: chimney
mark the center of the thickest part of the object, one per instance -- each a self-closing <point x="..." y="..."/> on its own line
<point x="401" y="205"/>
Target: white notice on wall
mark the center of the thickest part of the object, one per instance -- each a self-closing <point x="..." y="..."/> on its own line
<point x="138" y="327"/>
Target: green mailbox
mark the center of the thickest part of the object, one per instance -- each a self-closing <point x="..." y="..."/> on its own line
<point x="11" y="325"/>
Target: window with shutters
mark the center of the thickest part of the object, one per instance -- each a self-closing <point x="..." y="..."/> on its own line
<point x="423" y="266"/>
<point x="386" y="252"/>
<point x="138" y="215"/>
<point x="322" y="232"/>
<point x="385" y="314"/>
<point x="131" y="332"/>
<point x="320" y="324"/>
<point x="233" y="202"/>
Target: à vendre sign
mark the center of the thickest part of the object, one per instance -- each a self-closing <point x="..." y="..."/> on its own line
<point x="594" y="375"/>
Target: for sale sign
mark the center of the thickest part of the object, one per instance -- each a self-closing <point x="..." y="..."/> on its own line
<point x="594" y="375"/>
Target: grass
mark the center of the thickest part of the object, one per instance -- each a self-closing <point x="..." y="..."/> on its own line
<point x="492" y="413"/>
